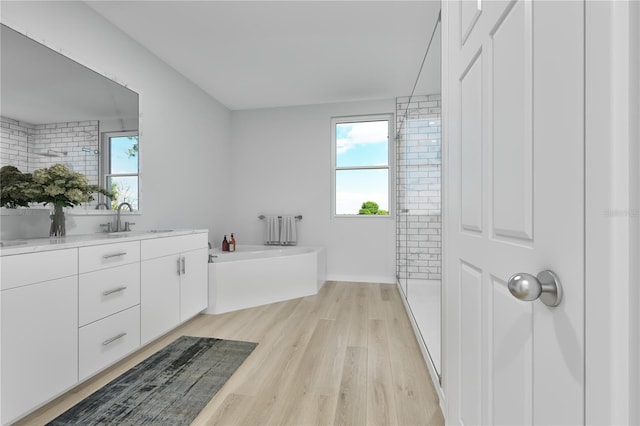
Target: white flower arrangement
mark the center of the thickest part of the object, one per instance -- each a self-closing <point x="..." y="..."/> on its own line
<point x="59" y="186"/>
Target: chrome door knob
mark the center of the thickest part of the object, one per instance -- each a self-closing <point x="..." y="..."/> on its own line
<point x="545" y="286"/>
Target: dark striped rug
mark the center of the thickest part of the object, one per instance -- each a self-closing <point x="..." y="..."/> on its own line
<point x="169" y="388"/>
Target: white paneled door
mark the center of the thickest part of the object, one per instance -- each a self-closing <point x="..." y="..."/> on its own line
<point x="513" y="93"/>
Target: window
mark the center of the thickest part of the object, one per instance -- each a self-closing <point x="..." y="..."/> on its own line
<point x="120" y="166"/>
<point x="361" y="166"/>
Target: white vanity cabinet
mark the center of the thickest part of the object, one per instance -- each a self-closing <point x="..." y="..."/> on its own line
<point x="174" y="286"/>
<point x="109" y="304"/>
<point x="39" y="319"/>
<point x="70" y="307"/>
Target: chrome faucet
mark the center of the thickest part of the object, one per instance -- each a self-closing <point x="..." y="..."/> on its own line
<point x="118" y="222"/>
<point x="106" y="206"/>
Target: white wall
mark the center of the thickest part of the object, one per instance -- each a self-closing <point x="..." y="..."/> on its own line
<point x="185" y="133"/>
<point x="281" y="164"/>
<point x="191" y="176"/>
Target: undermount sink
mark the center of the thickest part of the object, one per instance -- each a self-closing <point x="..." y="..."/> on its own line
<point x="118" y="234"/>
<point x="123" y="234"/>
<point x="11" y="243"/>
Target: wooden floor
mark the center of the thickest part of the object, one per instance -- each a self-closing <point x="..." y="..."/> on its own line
<point x="345" y="356"/>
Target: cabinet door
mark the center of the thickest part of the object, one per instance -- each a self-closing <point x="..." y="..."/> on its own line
<point x="159" y="296"/>
<point x="39" y="344"/>
<point x="194" y="284"/>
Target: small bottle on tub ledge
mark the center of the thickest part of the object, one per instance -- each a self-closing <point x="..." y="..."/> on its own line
<point x="225" y="244"/>
<point x="232" y="243"/>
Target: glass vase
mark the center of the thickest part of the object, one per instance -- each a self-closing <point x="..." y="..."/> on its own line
<point x="57" y="223"/>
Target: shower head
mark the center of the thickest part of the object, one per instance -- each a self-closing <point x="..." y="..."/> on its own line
<point x="51" y="153"/>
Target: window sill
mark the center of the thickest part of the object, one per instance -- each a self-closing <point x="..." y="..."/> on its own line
<point x="363" y="216"/>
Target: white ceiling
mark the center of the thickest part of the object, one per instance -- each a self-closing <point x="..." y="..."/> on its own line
<point x="256" y="54"/>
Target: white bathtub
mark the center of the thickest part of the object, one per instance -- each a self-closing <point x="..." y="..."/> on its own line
<point x="258" y="275"/>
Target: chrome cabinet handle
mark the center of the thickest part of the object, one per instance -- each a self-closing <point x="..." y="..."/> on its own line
<point x="109" y="256"/>
<point x="545" y="286"/>
<point x="113" y="339"/>
<point x="115" y="290"/>
<point x="178" y="266"/>
<point x="184" y="263"/>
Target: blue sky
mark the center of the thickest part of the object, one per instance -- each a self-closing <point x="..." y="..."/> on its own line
<point x="120" y="161"/>
<point x="358" y="144"/>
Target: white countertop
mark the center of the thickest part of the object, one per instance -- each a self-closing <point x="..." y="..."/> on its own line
<point x="33" y="245"/>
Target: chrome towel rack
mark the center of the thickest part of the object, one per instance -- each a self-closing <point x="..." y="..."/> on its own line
<point x="298" y="217"/>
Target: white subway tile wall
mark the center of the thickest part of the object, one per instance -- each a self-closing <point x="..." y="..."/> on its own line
<point x="14" y="143"/>
<point x="418" y="187"/>
<point x="34" y="146"/>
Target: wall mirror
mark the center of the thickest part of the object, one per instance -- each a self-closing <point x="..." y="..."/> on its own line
<point x="55" y="110"/>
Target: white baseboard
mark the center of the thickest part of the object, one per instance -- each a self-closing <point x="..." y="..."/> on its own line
<point x="363" y="278"/>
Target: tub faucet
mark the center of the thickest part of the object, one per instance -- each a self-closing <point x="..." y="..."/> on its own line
<point x="118" y="222"/>
<point x="106" y="206"/>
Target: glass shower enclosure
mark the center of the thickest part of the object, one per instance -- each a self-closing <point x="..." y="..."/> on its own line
<point x="419" y="201"/>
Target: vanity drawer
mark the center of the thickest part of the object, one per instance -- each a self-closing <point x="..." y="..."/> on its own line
<point x="106" y="341"/>
<point x="22" y="269"/>
<point x="160" y="247"/>
<point x="107" y="255"/>
<point x="105" y="292"/>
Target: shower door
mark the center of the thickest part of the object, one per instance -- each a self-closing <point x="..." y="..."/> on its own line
<point x="418" y="195"/>
<point x="419" y="215"/>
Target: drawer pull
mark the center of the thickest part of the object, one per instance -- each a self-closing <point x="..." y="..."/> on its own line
<point x="113" y="339"/>
<point x="115" y="290"/>
<point x="109" y="256"/>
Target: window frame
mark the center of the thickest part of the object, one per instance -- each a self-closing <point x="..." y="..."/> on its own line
<point x="106" y="161"/>
<point x="390" y="167"/>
